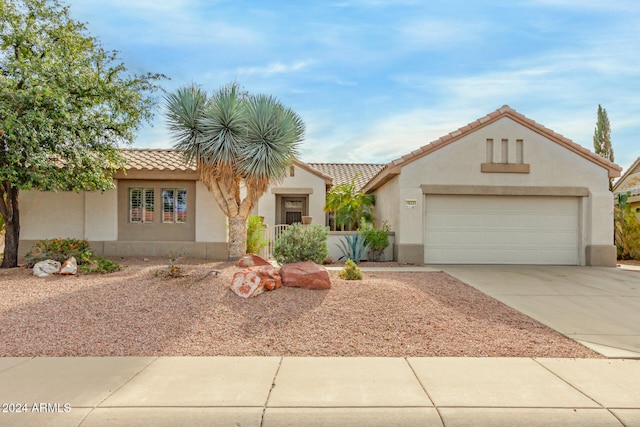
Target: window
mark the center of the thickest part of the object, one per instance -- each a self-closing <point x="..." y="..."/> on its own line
<point x="141" y="205"/>
<point x="174" y="205"/>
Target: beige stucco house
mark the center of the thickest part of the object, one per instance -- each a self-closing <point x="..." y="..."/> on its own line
<point x="502" y="189"/>
<point x="629" y="182"/>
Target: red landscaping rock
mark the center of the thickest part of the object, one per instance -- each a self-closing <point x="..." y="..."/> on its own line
<point x="250" y="260"/>
<point x="307" y="275"/>
<point x="255" y="280"/>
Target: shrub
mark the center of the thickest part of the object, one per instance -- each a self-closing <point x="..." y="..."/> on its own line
<point x="627" y="229"/>
<point x="353" y="248"/>
<point x="62" y="249"/>
<point x="255" y="235"/>
<point x="350" y="271"/>
<point x="302" y="243"/>
<point x="59" y="250"/>
<point x="173" y="270"/>
<point x="376" y="238"/>
<point x="99" y="264"/>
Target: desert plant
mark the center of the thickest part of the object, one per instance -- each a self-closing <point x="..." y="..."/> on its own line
<point x="58" y="250"/>
<point x="255" y="235"/>
<point x="350" y="271"/>
<point x="241" y="144"/>
<point x="376" y="238"/>
<point x="302" y="243"/>
<point x="353" y="247"/>
<point x="173" y="269"/>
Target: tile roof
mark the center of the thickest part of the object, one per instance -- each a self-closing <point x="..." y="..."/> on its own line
<point x="344" y="172"/>
<point x="152" y="159"/>
<point x="392" y="167"/>
<point x="621" y="186"/>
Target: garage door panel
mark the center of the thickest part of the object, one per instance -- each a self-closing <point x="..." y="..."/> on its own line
<point x="501" y="230"/>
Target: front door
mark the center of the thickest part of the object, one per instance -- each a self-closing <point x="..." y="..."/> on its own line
<point x="293" y="209"/>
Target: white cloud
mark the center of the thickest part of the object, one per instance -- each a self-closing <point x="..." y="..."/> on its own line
<point x="275" y="68"/>
<point x="388" y="138"/>
<point x="166" y="23"/>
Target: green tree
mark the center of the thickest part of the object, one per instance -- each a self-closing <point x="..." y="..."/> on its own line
<point x="349" y="205"/>
<point x="65" y="105"/>
<point x="602" y="137"/>
<point x="240" y="142"/>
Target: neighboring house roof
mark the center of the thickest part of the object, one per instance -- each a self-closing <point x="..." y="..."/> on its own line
<point x="152" y="159"/>
<point x="622" y="185"/>
<point x="343" y="173"/>
<point x="393" y="168"/>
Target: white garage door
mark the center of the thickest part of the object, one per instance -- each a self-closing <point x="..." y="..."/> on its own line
<point x="501" y="230"/>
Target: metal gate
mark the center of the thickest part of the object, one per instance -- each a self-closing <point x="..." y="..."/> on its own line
<point x="272" y="234"/>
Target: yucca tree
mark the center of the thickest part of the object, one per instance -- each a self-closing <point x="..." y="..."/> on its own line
<point x="240" y="142"/>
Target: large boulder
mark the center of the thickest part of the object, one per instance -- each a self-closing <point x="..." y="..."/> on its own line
<point x="307" y="275"/>
<point x="251" y="260"/>
<point x="46" y="267"/>
<point x="253" y="281"/>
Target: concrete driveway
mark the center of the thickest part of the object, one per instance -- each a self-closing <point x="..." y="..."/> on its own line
<point x="598" y="307"/>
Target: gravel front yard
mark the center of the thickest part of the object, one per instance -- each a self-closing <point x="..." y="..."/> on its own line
<point x="134" y="313"/>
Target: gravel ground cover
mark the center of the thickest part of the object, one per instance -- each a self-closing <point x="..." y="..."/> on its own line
<point x="135" y="313"/>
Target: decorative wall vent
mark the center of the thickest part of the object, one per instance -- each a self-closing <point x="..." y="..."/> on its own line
<point x="505" y="165"/>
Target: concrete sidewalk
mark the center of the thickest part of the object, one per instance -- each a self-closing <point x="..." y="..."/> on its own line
<point x="297" y="391"/>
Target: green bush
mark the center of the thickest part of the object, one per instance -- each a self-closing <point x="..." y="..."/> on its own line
<point x="302" y="243"/>
<point x="627" y="229"/>
<point x="376" y="238"/>
<point x="99" y="264"/>
<point x="59" y="250"/>
<point x="255" y="235"/>
<point x="350" y="271"/>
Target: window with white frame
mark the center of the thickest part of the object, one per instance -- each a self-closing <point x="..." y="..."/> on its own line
<point x="141" y="203"/>
<point x="174" y="205"/>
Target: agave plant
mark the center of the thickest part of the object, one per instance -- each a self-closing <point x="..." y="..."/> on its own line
<point x="353" y="247"/>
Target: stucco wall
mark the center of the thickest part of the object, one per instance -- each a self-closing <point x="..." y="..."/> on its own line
<point x="211" y="223"/>
<point x="101" y="218"/>
<point x="459" y="163"/>
<point x="47" y="215"/>
<point x="303" y="182"/>
<point x="388" y="205"/>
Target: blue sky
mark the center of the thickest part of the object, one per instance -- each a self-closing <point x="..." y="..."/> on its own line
<point x="376" y="79"/>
